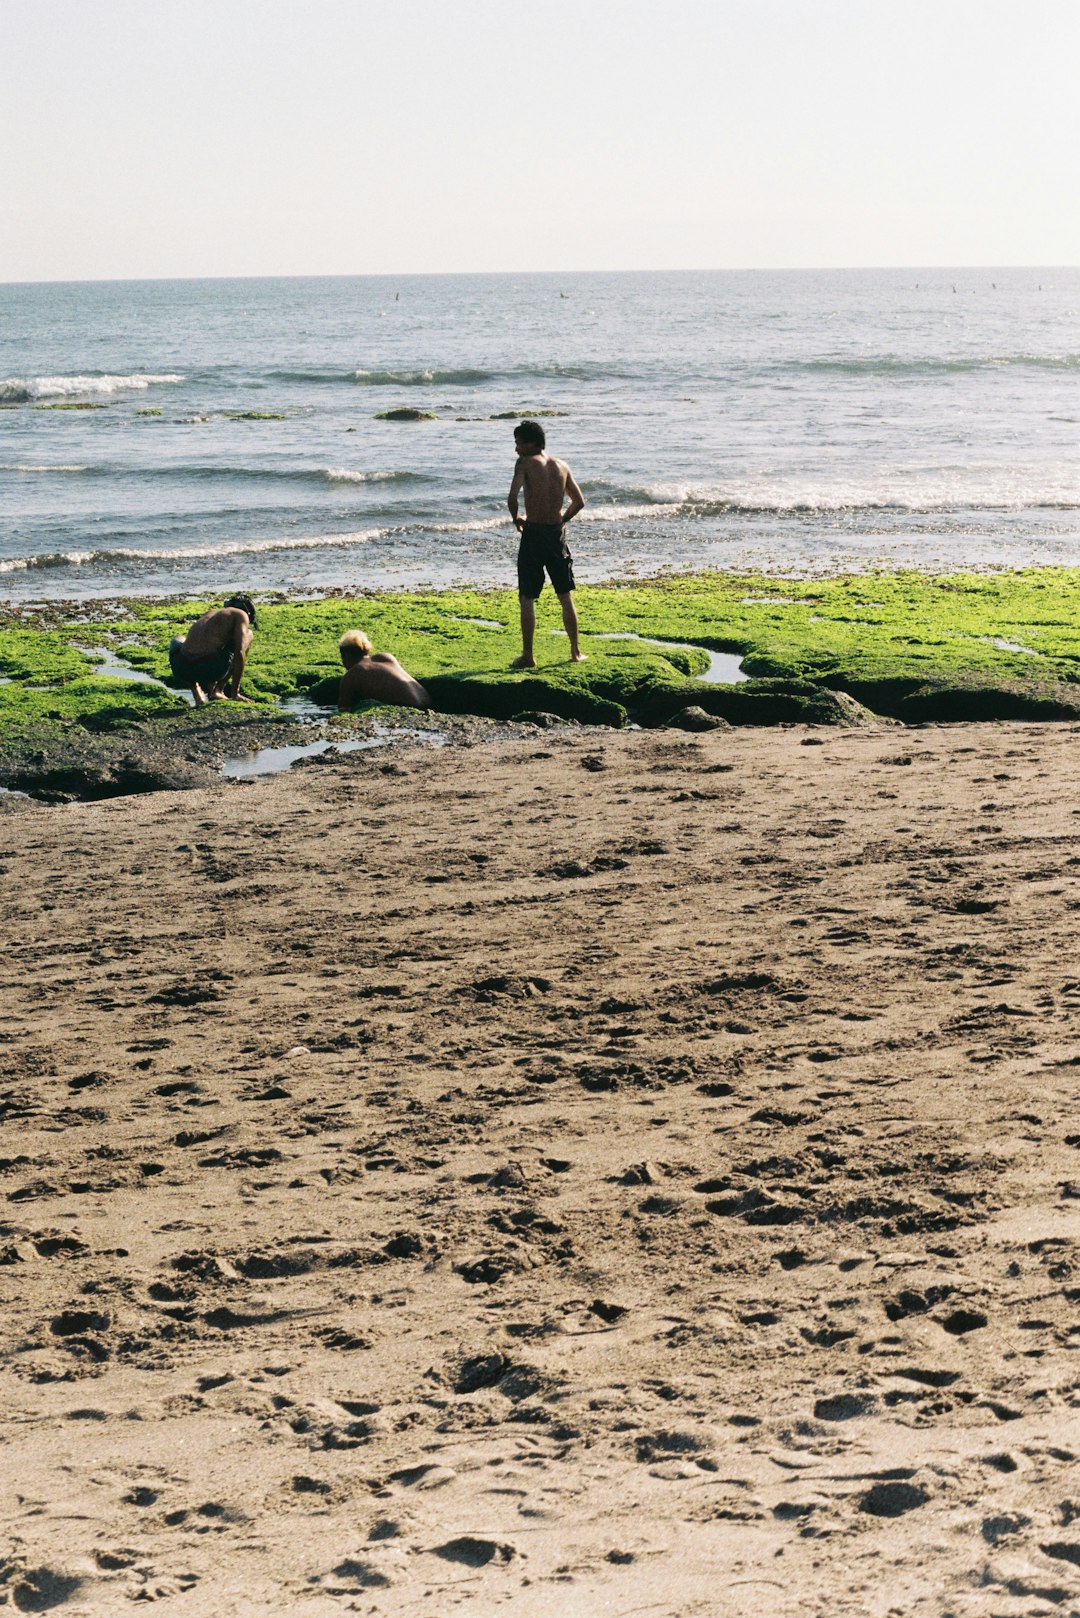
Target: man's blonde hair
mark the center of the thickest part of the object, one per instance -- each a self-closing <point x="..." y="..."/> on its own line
<point x="353" y="645"/>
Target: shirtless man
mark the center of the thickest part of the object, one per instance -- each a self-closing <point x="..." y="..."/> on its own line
<point x="375" y="677"/>
<point x="211" y="656"/>
<point x="547" y="483"/>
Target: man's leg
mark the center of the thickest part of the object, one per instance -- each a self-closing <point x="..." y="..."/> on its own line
<point x="570" y="624"/>
<point x="198" y="695"/>
<point x="528" y="632"/>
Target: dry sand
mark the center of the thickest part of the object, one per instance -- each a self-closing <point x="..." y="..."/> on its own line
<point x="617" y="1175"/>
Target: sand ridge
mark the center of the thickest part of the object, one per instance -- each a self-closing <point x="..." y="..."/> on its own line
<point x="589" y="1174"/>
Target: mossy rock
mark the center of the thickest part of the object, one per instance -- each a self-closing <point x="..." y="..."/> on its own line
<point x="694" y="718"/>
<point x="915" y="648"/>
<point x="88" y="780"/>
<point x="255" y="415"/>
<point x="71" y="405"/>
<point x="96" y="703"/>
<point x="324" y="693"/>
<point x="965" y="702"/>
<point x="763" y="702"/>
<point x="406" y="413"/>
<point x="503" y="696"/>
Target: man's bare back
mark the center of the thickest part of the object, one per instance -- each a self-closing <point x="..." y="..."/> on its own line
<point x="545" y="482"/>
<point x="375" y="677"/>
<point x="210" y="658"/>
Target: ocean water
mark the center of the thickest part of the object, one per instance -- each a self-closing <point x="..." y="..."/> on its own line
<point x="798" y="421"/>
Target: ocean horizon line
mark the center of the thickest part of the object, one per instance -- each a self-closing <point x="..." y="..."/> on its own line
<point x="434" y="275"/>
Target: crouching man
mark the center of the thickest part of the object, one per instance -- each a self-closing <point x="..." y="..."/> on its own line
<point x="375" y="677"/>
<point x="210" y="658"/>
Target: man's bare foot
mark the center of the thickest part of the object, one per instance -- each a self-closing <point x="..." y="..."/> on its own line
<point x="579" y="657"/>
<point x="523" y="662"/>
<point x="237" y="696"/>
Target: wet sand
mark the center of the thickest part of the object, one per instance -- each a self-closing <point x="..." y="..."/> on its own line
<point x="577" y="1175"/>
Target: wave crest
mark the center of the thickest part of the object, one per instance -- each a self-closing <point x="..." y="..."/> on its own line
<point x="466" y="378"/>
<point x="25" y="389"/>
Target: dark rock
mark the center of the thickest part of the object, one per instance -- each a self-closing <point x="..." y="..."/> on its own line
<point x="406" y="413"/>
<point x="693" y="718"/>
<point x="540" y="719"/>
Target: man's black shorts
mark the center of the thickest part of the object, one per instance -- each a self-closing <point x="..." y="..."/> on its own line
<point x="207" y="671"/>
<point x="543" y="549"/>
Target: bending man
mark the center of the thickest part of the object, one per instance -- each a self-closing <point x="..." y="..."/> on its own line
<point x="210" y="658"/>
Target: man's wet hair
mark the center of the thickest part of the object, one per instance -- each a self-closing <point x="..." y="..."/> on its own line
<point x="245" y="604"/>
<point x="532" y="433"/>
<point x="353" y="646"/>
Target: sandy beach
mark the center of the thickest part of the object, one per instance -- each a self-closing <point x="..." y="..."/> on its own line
<point x="583" y="1174"/>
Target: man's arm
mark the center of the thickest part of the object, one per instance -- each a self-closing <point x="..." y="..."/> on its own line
<point x="577" y="499"/>
<point x="241" y="640"/>
<point x="515" y="489"/>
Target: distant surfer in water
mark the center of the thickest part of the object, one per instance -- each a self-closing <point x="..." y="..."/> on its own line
<point x="210" y="658"/>
<point x="543" y="549"/>
<point x="375" y="676"/>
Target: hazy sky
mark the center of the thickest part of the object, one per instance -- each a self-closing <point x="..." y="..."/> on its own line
<point x="264" y="137"/>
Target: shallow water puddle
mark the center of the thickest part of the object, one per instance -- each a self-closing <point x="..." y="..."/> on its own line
<point x="110" y="663"/>
<point x="1009" y="645"/>
<point x="725" y="668"/>
<point x="271" y="760"/>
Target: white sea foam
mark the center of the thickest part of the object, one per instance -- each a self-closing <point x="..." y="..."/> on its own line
<point x="18" y="466"/>
<point x="342" y="474"/>
<point x="624" y="513"/>
<point x="468" y="527"/>
<point x="24" y="389"/>
<point x="124" y="553"/>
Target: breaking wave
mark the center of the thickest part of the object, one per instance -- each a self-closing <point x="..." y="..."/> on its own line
<point x="108" y="558"/>
<point x="24" y="390"/>
<point x="422" y="376"/>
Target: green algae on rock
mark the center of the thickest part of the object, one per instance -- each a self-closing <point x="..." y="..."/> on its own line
<point x="405" y="413"/>
<point x="916" y="648"/>
<point x="254" y="415"/>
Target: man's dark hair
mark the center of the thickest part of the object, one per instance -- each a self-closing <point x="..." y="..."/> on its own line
<point x="245" y="604"/>
<point x="531" y="432"/>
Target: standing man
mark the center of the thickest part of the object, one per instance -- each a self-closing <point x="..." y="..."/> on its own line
<point x="543" y="548"/>
<point x="210" y="658"/>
